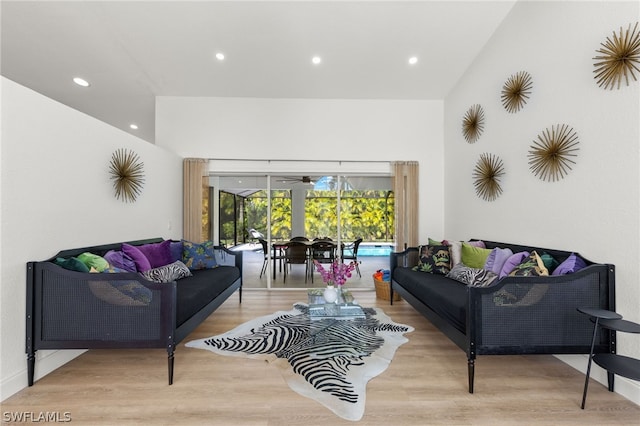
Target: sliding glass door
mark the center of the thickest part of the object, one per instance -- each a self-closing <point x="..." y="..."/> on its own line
<point x="276" y="209"/>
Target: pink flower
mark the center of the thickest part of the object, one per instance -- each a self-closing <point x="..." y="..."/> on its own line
<point x="336" y="274"/>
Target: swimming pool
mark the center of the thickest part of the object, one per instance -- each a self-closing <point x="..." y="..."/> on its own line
<point x="375" y="249"/>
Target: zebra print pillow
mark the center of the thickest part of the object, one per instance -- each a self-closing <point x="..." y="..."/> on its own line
<point x="167" y="273"/>
<point x="472" y="276"/>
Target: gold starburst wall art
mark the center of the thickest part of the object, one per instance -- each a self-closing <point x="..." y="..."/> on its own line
<point x="473" y="123"/>
<point x="550" y="155"/>
<point x="127" y="173"/>
<point x="486" y="177"/>
<point x="620" y="58"/>
<point x="516" y="91"/>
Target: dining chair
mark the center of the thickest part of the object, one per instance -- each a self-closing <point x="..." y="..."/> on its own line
<point x="299" y="239"/>
<point x="350" y="252"/>
<point x="322" y="251"/>
<point x="296" y="253"/>
<point x="274" y="256"/>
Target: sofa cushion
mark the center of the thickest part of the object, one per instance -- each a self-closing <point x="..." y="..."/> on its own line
<point x="119" y="260"/>
<point x="511" y="262"/>
<point x="474" y="277"/>
<point x="198" y="256"/>
<point x="134" y="254"/>
<point x="434" y="259"/>
<point x="496" y="259"/>
<point x="167" y="273"/>
<point x="158" y="254"/>
<point x="446" y="297"/>
<point x="196" y="291"/>
<point x="473" y="256"/>
<point x="530" y="266"/>
<point x="572" y="264"/>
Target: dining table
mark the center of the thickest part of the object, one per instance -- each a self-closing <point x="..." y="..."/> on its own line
<point x="279" y="247"/>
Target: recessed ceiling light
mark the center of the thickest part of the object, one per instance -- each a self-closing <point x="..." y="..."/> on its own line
<point x="316" y="60"/>
<point x="413" y="60"/>
<point x="81" y="82"/>
<point x="220" y="56"/>
<point x="133" y="126"/>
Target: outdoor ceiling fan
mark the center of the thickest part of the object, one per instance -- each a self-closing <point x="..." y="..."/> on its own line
<point x="303" y="179"/>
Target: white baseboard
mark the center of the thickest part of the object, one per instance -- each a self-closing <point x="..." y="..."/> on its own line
<point x="621" y="385"/>
<point x="46" y="362"/>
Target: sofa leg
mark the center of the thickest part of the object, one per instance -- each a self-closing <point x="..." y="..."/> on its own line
<point x="170" y="359"/>
<point x="471" y="368"/>
<point x="31" y="367"/>
<point x="610" y="378"/>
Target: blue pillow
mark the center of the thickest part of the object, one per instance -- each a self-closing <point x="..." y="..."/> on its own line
<point x="198" y="256"/>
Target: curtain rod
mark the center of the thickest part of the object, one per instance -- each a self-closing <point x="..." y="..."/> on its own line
<point x="299" y="161"/>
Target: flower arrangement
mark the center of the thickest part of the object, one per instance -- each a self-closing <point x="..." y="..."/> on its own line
<point x="337" y="274"/>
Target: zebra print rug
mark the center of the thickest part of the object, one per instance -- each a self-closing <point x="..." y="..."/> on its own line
<point x="327" y="360"/>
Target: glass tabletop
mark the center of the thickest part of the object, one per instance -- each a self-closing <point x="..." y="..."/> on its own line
<point x="336" y="311"/>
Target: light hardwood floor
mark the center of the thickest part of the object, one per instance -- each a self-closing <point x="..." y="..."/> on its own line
<point x="426" y="384"/>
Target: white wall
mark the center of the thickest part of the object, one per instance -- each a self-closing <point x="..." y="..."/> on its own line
<point x="312" y="129"/>
<point x="595" y="209"/>
<point x="56" y="194"/>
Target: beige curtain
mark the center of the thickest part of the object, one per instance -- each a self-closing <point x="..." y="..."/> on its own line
<point x="193" y="171"/>
<point x="405" y="189"/>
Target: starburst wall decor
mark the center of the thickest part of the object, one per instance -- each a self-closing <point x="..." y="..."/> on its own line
<point x="486" y="175"/>
<point x="127" y="173"/>
<point x="620" y="58"/>
<point x="550" y="156"/>
<point x="516" y="91"/>
<point x="473" y="123"/>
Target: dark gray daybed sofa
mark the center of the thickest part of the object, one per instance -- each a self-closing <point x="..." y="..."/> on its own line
<point x="77" y="310"/>
<point x="481" y="322"/>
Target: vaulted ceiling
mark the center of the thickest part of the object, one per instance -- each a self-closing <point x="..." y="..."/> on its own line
<point x="131" y="52"/>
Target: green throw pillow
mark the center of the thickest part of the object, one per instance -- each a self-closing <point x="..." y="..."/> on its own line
<point x="72" y="264"/>
<point x="474" y="257"/>
<point x="93" y="261"/>
<point x="549" y="262"/>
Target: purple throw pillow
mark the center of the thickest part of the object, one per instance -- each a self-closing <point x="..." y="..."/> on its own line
<point x="141" y="261"/>
<point x="513" y="260"/>
<point x="176" y="248"/>
<point x="572" y="264"/>
<point x="117" y="259"/>
<point x="158" y="254"/>
<point x="496" y="259"/>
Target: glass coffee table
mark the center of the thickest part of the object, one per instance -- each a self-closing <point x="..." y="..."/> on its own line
<point x="319" y="309"/>
<point x="342" y="311"/>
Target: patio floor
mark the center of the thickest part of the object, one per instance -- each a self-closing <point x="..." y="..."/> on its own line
<point x="253" y="259"/>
